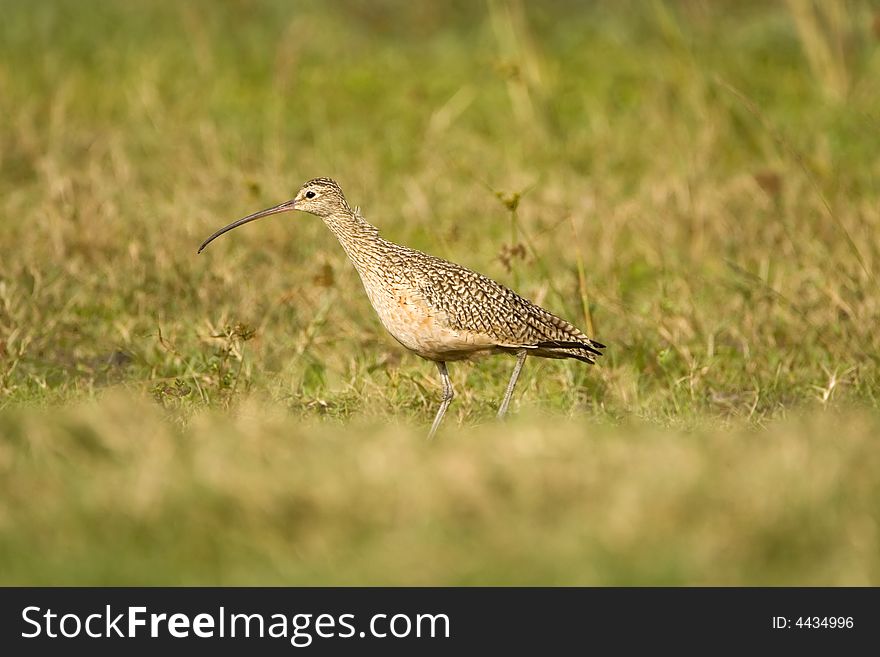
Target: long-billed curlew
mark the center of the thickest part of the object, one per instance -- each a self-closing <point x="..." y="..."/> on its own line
<point x="431" y="306"/>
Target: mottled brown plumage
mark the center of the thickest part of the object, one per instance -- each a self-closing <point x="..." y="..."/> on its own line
<point x="439" y="310"/>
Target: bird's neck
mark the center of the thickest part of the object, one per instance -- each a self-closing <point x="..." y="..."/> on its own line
<point x="356" y="235"/>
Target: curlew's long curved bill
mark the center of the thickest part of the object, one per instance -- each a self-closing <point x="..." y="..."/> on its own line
<point x="283" y="207"/>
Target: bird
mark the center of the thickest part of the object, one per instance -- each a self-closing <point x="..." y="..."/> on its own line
<point x="435" y="308"/>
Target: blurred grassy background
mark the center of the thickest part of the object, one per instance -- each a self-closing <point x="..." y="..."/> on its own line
<point x="113" y="494"/>
<point x="695" y="183"/>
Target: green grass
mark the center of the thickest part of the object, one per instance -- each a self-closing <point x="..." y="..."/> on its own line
<point x="240" y="416"/>
<point x="113" y="493"/>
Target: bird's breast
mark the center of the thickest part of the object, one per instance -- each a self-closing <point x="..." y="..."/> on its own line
<point x="422" y="327"/>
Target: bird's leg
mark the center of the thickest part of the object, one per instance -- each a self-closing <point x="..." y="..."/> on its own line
<point x="520" y="359"/>
<point x="448" y="394"/>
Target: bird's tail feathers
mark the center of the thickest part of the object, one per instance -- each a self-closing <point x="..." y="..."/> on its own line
<point x="583" y="350"/>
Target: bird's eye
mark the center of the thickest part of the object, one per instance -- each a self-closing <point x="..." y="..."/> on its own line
<point x="310" y="194"/>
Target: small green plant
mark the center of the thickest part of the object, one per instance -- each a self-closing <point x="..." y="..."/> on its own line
<point x="224" y="371"/>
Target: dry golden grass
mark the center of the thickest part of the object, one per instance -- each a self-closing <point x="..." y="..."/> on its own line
<point x="110" y="492"/>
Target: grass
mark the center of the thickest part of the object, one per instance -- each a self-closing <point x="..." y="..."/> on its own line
<point x="695" y="181"/>
<point x="261" y="498"/>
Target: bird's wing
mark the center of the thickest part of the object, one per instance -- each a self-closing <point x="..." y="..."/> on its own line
<point x="473" y="302"/>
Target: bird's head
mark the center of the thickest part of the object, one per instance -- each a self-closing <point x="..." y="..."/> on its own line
<point x="320" y="196"/>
